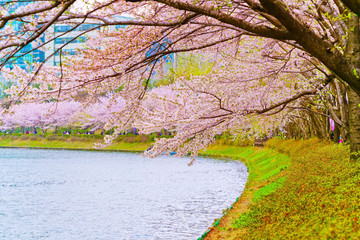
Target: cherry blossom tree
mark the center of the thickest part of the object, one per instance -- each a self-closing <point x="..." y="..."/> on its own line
<point x="42" y="115"/>
<point x="64" y="114"/>
<point x="318" y="40"/>
<point x="96" y="115"/>
<point x="27" y="115"/>
<point x="67" y="114"/>
<point x="200" y="107"/>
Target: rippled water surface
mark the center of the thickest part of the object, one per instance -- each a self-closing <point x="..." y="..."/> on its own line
<point x="59" y="194"/>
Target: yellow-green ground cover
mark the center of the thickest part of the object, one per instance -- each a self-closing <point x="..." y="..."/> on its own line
<point x="132" y="143"/>
<point x="296" y="189"/>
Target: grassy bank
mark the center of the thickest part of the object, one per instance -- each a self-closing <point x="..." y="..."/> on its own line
<point x="296" y="190"/>
<point x="267" y="173"/>
<point x="130" y="143"/>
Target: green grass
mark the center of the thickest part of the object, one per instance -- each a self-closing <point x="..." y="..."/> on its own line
<point x="296" y="190"/>
<point x="319" y="198"/>
<point x="266" y="190"/>
<point x="266" y="169"/>
<point x="70" y="143"/>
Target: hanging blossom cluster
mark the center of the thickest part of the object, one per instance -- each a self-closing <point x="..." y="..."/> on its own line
<point x="232" y="97"/>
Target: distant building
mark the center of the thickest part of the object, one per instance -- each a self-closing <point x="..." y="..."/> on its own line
<point x="68" y="38"/>
<point x="69" y="35"/>
<point x="72" y="36"/>
<point x="167" y="61"/>
<point x="27" y="54"/>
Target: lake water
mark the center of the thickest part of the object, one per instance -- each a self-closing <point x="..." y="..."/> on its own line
<point x="59" y="194"/>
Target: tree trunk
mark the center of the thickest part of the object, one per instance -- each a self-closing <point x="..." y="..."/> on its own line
<point x="318" y="125"/>
<point x="336" y="134"/>
<point x="303" y="128"/>
<point x="353" y="51"/>
<point x="343" y="108"/>
<point x="354" y="121"/>
<point x="289" y="133"/>
<point x="311" y="130"/>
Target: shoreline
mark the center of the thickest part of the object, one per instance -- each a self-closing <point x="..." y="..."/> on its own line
<point x="126" y="147"/>
<point x="252" y="157"/>
<point x="76" y="149"/>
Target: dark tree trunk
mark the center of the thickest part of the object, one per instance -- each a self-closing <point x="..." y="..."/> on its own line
<point x="354" y="121"/>
<point x="353" y="51"/>
<point x="336" y="134"/>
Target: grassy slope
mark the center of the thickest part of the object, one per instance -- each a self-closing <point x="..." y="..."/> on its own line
<point x="266" y="174"/>
<point x="317" y="195"/>
<point x="71" y="144"/>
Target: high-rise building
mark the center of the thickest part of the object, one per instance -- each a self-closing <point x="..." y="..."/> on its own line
<point x="69" y="38"/>
<point x="27" y="54"/>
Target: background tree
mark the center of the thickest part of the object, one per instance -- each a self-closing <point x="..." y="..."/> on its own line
<point x="41" y="115"/>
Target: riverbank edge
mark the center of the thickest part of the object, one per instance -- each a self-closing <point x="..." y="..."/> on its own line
<point x="265" y="165"/>
<point x="77" y="149"/>
<point x="137" y="147"/>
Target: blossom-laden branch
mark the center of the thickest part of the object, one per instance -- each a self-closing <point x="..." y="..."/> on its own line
<point x="257" y="59"/>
